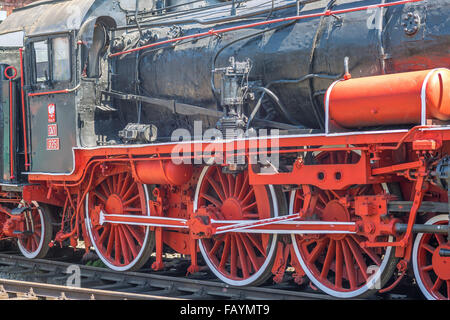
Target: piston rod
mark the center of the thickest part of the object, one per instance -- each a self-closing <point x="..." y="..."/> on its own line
<point x="422" y="228"/>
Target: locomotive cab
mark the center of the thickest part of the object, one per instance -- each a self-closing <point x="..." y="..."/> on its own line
<point x="51" y="79"/>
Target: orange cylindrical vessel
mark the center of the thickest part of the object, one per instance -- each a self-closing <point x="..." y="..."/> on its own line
<point x="163" y="172"/>
<point x="390" y="99"/>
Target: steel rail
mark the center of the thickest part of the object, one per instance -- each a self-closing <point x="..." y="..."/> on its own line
<point x="150" y="284"/>
<point x="36" y="290"/>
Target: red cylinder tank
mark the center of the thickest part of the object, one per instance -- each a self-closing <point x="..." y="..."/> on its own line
<point x="390" y="99"/>
<point x="163" y="172"/>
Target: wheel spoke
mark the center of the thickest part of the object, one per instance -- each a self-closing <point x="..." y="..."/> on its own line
<point x="136" y="197"/>
<point x="104" y="188"/>
<point x="125" y="185"/>
<point x="427" y="268"/>
<point x="368" y="251"/>
<point x="216" y="246"/>
<point x="110" y="184"/>
<point x="230" y="184"/>
<point x="225" y="253"/>
<point x="244" y="188"/>
<point x="328" y="259"/>
<point x="256" y="243"/>
<point x="130" y="241"/>
<point x="440" y="239"/>
<point x="318" y="249"/>
<point x="136" y="234"/>
<point x="429" y="248"/>
<point x="119" y="183"/>
<point x="128" y="194"/>
<point x="106" y="232"/>
<point x="250" y="206"/>
<point x="248" y="197"/>
<point x="233" y="262"/>
<point x="437" y="285"/>
<point x="117" y="249"/>
<point x="237" y="186"/>
<point x="358" y="257"/>
<point x="223" y="183"/>
<point x="114" y="183"/>
<point x="100" y="196"/>
<point x="242" y="258"/>
<point x="250" y="252"/>
<point x="216" y="188"/>
<point x="110" y="242"/>
<point x="124" y="246"/>
<point x="349" y="265"/>
<point x="211" y="199"/>
<point x="339" y="266"/>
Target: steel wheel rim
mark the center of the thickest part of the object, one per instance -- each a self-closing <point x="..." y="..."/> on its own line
<point x="214" y="264"/>
<point x="95" y="236"/>
<point x="419" y="255"/>
<point x="39" y="232"/>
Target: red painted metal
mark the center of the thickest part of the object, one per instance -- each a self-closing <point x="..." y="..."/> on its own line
<point x="213" y="32"/>
<point x="379" y="141"/>
<point x="390" y="99"/>
<point x="163" y="172"/>
<point x="45" y="93"/>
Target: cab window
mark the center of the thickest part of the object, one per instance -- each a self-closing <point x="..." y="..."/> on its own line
<point x="61" y="59"/>
<point x="42" y="61"/>
<point x="52" y="60"/>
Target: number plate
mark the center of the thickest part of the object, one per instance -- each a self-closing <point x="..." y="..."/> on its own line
<point x="52" y="130"/>
<point x="53" y="144"/>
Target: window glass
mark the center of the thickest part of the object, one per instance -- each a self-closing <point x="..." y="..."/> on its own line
<point x="61" y="59"/>
<point x="42" y="63"/>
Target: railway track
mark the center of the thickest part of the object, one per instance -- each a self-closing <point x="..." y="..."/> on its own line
<point x="50" y="279"/>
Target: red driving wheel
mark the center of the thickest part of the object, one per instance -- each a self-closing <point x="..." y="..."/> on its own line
<point x="337" y="263"/>
<point x="237" y="258"/>
<point x="120" y="246"/>
<point x="432" y="272"/>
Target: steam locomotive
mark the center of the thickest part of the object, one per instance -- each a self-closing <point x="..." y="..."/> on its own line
<point x="355" y="93"/>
